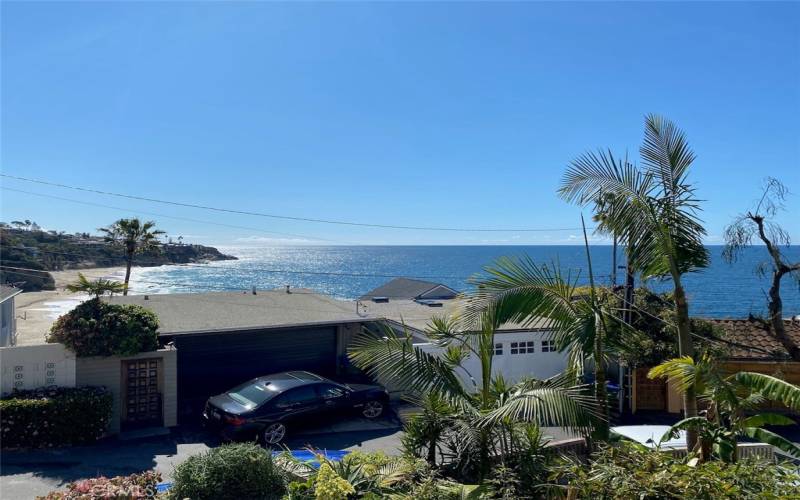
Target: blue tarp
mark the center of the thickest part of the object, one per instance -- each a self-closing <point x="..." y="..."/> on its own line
<point x="301" y="455"/>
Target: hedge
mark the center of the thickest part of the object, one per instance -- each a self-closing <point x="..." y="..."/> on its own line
<point x="54" y="416"/>
<point x="96" y="328"/>
<point x="135" y="486"/>
<point x="229" y="472"/>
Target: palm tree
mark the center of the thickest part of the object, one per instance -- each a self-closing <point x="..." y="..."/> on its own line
<point x="656" y="208"/>
<point x="481" y="414"/>
<point x="135" y="237"/>
<point x="98" y="288"/>
<point x="728" y="398"/>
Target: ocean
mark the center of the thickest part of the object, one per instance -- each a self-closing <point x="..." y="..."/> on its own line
<point x="722" y="290"/>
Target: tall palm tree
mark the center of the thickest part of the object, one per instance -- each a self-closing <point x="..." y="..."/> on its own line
<point x="528" y="294"/>
<point x="98" y="288"/>
<point x="728" y="398"/>
<point x="656" y="207"/>
<point x="482" y="413"/>
<point x="134" y="237"/>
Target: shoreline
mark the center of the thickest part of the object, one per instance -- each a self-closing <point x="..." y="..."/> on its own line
<point x="37" y="311"/>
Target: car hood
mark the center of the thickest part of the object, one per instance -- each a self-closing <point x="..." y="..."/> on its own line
<point x="227" y="404"/>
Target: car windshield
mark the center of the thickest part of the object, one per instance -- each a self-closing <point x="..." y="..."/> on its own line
<point x="253" y="393"/>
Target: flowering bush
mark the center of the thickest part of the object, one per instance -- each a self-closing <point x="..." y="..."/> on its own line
<point x="135" y="486"/>
<point x="328" y="485"/>
<point x="96" y="328"/>
<point x="231" y="471"/>
<point x="54" y="416"/>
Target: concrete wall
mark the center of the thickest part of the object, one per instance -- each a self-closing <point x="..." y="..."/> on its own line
<point x="107" y="371"/>
<point x="29" y="367"/>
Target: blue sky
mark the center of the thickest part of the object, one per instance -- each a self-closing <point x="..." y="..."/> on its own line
<point x="412" y="114"/>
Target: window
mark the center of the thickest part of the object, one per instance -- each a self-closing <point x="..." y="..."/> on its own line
<point x="250" y="394"/>
<point x="498" y="349"/>
<point x="298" y="396"/>
<point x="523" y="347"/>
<point x="330" y="391"/>
<point x="548" y="346"/>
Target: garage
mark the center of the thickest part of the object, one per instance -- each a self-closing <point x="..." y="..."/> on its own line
<point x="212" y="362"/>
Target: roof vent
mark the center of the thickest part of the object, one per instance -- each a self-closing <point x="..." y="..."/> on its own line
<point x="288" y="289"/>
<point x="380" y="300"/>
<point x="254" y="290"/>
<point x="429" y="302"/>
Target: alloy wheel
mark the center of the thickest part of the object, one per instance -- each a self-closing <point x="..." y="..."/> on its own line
<point x="274" y="433"/>
<point x="372" y="409"/>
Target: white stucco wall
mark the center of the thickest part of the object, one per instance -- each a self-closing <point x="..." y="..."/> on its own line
<point x="32" y="366"/>
<point x="513" y="367"/>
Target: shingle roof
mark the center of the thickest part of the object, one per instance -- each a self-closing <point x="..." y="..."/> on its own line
<point x="753" y="338"/>
<point x="6" y="292"/>
<point x="219" y="311"/>
<point x="406" y="288"/>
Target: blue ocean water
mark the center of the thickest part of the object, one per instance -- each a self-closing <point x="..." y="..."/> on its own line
<point x="722" y="290"/>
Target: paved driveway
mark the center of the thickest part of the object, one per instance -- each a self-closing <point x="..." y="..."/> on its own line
<point x="24" y="475"/>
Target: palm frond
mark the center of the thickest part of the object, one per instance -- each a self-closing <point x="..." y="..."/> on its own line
<point x="771" y="388"/>
<point x="680" y="371"/>
<point x="773" y="439"/>
<point x="763" y="419"/>
<point x="393" y="358"/>
<point x="553" y="402"/>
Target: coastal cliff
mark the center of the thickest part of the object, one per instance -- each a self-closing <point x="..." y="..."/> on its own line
<point x="57" y="251"/>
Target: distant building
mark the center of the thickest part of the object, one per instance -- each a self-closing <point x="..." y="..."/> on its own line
<point x="410" y="289"/>
<point x="520" y="351"/>
<point x="8" y="315"/>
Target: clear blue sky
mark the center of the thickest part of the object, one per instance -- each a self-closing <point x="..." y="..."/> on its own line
<point x="415" y="114"/>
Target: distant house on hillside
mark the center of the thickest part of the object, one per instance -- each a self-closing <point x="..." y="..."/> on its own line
<point x="8" y="318"/>
<point x="411" y="289"/>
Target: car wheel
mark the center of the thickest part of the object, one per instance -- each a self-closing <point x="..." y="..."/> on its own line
<point x="274" y="433"/>
<point x="372" y="409"/>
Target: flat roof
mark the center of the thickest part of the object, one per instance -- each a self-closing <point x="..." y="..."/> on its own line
<point x="221" y="311"/>
<point x="418" y="315"/>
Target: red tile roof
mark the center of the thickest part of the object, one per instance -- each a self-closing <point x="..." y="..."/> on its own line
<point x="753" y="338"/>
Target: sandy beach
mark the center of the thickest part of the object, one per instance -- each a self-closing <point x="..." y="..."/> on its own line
<point x="36" y="311"/>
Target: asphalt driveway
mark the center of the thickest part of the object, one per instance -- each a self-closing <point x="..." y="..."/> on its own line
<point x="24" y="475"/>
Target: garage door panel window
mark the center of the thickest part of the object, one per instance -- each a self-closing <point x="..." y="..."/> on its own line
<point x="548" y="346"/>
<point x="498" y="349"/>
<point x="523" y="347"/>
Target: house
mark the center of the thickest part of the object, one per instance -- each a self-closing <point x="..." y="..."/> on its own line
<point x="520" y="350"/>
<point x="749" y="345"/>
<point x="410" y="289"/>
<point x="752" y="347"/>
<point x="8" y="315"/>
<point x="225" y="338"/>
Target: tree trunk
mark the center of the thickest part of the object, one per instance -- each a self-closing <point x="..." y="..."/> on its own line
<point x="775" y="309"/>
<point x="600" y="385"/>
<point x="614" y="263"/>
<point x="685" y="348"/>
<point x="128" y="264"/>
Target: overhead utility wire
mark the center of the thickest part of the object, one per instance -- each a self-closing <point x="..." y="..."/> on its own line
<point x="284" y="217"/>
<point x="187" y="219"/>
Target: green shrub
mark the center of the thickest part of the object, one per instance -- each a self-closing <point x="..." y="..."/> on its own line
<point x="96" y="328"/>
<point x="231" y="471"/>
<point x="54" y="416"/>
<point x="629" y="471"/>
<point x="135" y="486"/>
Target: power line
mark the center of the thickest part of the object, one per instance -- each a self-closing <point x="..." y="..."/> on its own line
<point x="199" y="221"/>
<point x="283" y="217"/>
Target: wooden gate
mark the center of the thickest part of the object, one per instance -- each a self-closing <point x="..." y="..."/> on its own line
<point x="650" y="394"/>
<point x="142" y="404"/>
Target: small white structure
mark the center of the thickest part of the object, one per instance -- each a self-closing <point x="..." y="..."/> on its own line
<point x="8" y="315"/>
<point x="33" y="366"/>
<point x="519" y="351"/>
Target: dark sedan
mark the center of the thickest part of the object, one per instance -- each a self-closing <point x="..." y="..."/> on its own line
<point x="267" y="407"/>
